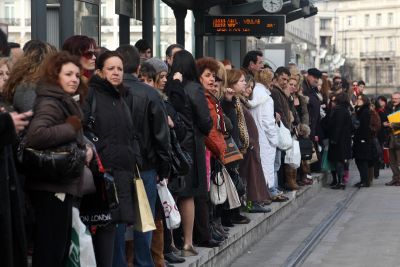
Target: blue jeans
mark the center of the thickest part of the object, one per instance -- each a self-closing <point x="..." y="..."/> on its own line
<point x="142" y="241"/>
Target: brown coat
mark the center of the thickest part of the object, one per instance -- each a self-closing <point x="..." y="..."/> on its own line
<point x="250" y="167"/>
<point x="49" y="128"/>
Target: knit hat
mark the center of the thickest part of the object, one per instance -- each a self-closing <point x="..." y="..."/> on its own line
<point x="158" y="64"/>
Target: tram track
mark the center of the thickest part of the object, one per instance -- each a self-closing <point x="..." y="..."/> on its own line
<point x="301" y="253"/>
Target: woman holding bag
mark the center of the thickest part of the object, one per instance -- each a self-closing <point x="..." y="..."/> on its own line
<point x="113" y="127"/>
<point x="56" y="121"/>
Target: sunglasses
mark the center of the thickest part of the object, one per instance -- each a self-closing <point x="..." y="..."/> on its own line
<point x="88" y="54"/>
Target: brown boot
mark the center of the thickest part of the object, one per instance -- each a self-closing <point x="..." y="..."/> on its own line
<point x="157" y="244"/>
<point x="290" y="178"/>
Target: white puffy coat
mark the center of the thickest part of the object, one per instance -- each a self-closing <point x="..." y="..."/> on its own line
<point x="262" y="109"/>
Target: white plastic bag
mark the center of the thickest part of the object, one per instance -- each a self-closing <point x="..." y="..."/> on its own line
<point x="172" y="215"/>
<point x="81" y="252"/>
<point x="284" y="137"/>
<point x="218" y="189"/>
<point x="293" y="155"/>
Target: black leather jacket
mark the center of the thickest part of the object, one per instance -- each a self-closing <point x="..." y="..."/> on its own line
<point x="150" y="123"/>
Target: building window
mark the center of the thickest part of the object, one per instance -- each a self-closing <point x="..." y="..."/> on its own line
<point x="366" y="74"/>
<point x="378" y="19"/>
<point x="366" y="20"/>
<point x="378" y="75"/>
<point x="325" y="24"/>
<point x="323" y="41"/>
<point x="366" y="45"/>
<point x="390" y="18"/>
<point x="349" y="20"/>
<point x="392" y="43"/>
<point x="390" y="74"/>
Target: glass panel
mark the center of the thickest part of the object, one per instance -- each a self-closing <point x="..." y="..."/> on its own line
<point x="15" y="19"/>
<point x="87" y="19"/>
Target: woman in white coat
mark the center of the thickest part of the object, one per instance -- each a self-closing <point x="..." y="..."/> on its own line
<point x="262" y="110"/>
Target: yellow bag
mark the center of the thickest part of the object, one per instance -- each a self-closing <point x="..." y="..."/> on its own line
<point x="144" y="220"/>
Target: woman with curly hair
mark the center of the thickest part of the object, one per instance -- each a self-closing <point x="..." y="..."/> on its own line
<point x="20" y="89"/>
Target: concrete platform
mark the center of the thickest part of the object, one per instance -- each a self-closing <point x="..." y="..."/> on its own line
<point x="242" y="237"/>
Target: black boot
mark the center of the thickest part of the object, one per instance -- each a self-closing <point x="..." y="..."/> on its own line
<point x="334" y="179"/>
<point x="340" y="184"/>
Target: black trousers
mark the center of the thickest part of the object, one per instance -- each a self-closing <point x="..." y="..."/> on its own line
<point x="201" y="229"/>
<point x="52" y="230"/>
<point x="362" y="166"/>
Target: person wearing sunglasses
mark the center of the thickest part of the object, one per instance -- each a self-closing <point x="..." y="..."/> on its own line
<point x="85" y="48"/>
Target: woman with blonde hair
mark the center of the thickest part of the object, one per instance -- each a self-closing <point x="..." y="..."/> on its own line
<point x="5" y="68"/>
<point x="262" y="109"/>
<point x="20" y="89"/>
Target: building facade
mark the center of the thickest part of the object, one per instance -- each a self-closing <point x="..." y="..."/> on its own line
<point x="367" y="35"/>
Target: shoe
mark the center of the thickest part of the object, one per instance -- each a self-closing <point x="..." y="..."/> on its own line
<point x="391" y="183"/>
<point x="172" y="258"/>
<point x="188" y="251"/>
<point x="217" y="236"/>
<point x="357" y="184"/>
<point x="363" y="185"/>
<point x="210" y="243"/>
<point x="175" y="250"/>
<point x="240" y="219"/>
<point x="266" y="202"/>
<point x="167" y="264"/>
<point x="339" y="186"/>
<point x="309" y="176"/>
<point x="257" y="208"/>
<point x="227" y="223"/>
<point x="280" y="198"/>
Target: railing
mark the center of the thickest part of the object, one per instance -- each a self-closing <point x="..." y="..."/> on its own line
<point x="167" y="21"/>
<point x="377" y="55"/>
<point x="11" y="21"/>
<point x="106" y="21"/>
<point x="135" y="22"/>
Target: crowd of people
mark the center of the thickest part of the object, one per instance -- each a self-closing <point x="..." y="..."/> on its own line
<point x="127" y="110"/>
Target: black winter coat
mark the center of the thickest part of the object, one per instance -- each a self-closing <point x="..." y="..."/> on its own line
<point x="314" y="105"/>
<point x="114" y="129"/>
<point x="362" y="140"/>
<point x="150" y="124"/>
<point x="197" y="119"/>
<point x="340" y="128"/>
<point x="12" y="228"/>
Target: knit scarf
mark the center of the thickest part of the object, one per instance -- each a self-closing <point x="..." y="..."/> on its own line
<point x="243" y="132"/>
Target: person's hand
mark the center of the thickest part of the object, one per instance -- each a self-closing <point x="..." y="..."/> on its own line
<point x="387" y="124"/>
<point x="277" y="117"/>
<point x="20" y="120"/>
<point x="170" y="122"/>
<point x="229" y="94"/>
<point x="89" y="154"/>
<point x="316" y="138"/>
<point x="178" y="76"/>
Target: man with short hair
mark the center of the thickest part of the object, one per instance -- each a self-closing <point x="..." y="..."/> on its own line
<point x="152" y="132"/>
<point x="170" y="52"/>
<point x="253" y="62"/>
<point x="394" y="151"/>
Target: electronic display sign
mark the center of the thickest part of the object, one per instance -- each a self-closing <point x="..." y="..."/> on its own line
<point x="254" y="25"/>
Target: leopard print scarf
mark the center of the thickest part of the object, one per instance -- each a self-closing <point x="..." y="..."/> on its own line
<point x="243" y="132"/>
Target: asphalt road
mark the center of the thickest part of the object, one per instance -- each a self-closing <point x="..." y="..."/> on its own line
<point x="365" y="233"/>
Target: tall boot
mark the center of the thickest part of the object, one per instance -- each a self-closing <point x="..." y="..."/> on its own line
<point x="334" y="179"/>
<point x="290" y="178"/>
<point x="157" y="244"/>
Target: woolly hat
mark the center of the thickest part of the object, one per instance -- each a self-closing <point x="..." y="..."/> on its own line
<point x="158" y="64"/>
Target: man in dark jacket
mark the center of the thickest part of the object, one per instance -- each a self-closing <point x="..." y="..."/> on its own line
<point x="152" y="132"/>
<point x="394" y="151"/>
<point x="310" y="89"/>
<point x="12" y="227"/>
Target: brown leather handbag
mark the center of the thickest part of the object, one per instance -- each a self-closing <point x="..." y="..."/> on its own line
<point x="232" y="152"/>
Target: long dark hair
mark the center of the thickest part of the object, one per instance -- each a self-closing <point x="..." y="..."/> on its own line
<point x="185" y="64"/>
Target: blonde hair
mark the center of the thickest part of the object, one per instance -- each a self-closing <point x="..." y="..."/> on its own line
<point x="6" y="61"/>
<point x="264" y="77"/>
<point x="221" y="73"/>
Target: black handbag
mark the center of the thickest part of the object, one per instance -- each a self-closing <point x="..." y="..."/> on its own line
<point x="306" y="148"/>
<point x="237" y="181"/>
<point x="59" y="164"/>
<point x="181" y="160"/>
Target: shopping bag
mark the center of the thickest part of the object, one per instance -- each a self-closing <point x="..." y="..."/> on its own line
<point x="217" y="185"/>
<point x="293" y="155"/>
<point x="81" y="252"/>
<point x="386" y="158"/>
<point x="326" y="165"/>
<point x="144" y="220"/>
<point x="232" y="152"/>
<point x="172" y="215"/>
<point x="284" y="137"/>
<point x="232" y="194"/>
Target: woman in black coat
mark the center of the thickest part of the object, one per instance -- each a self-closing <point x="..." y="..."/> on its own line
<point x="196" y="116"/>
<point x="362" y="140"/>
<point x="114" y="129"/>
<point x="340" y="127"/>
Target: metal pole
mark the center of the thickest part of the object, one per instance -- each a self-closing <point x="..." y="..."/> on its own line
<point x="376" y="73"/>
<point x="158" y="37"/>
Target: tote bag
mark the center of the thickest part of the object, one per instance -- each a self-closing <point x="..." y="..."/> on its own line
<point x="232" y="194"/>
<point x="144" y="220"/>
<point x="284" y="137"/>
<point x="172" y="215"/>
